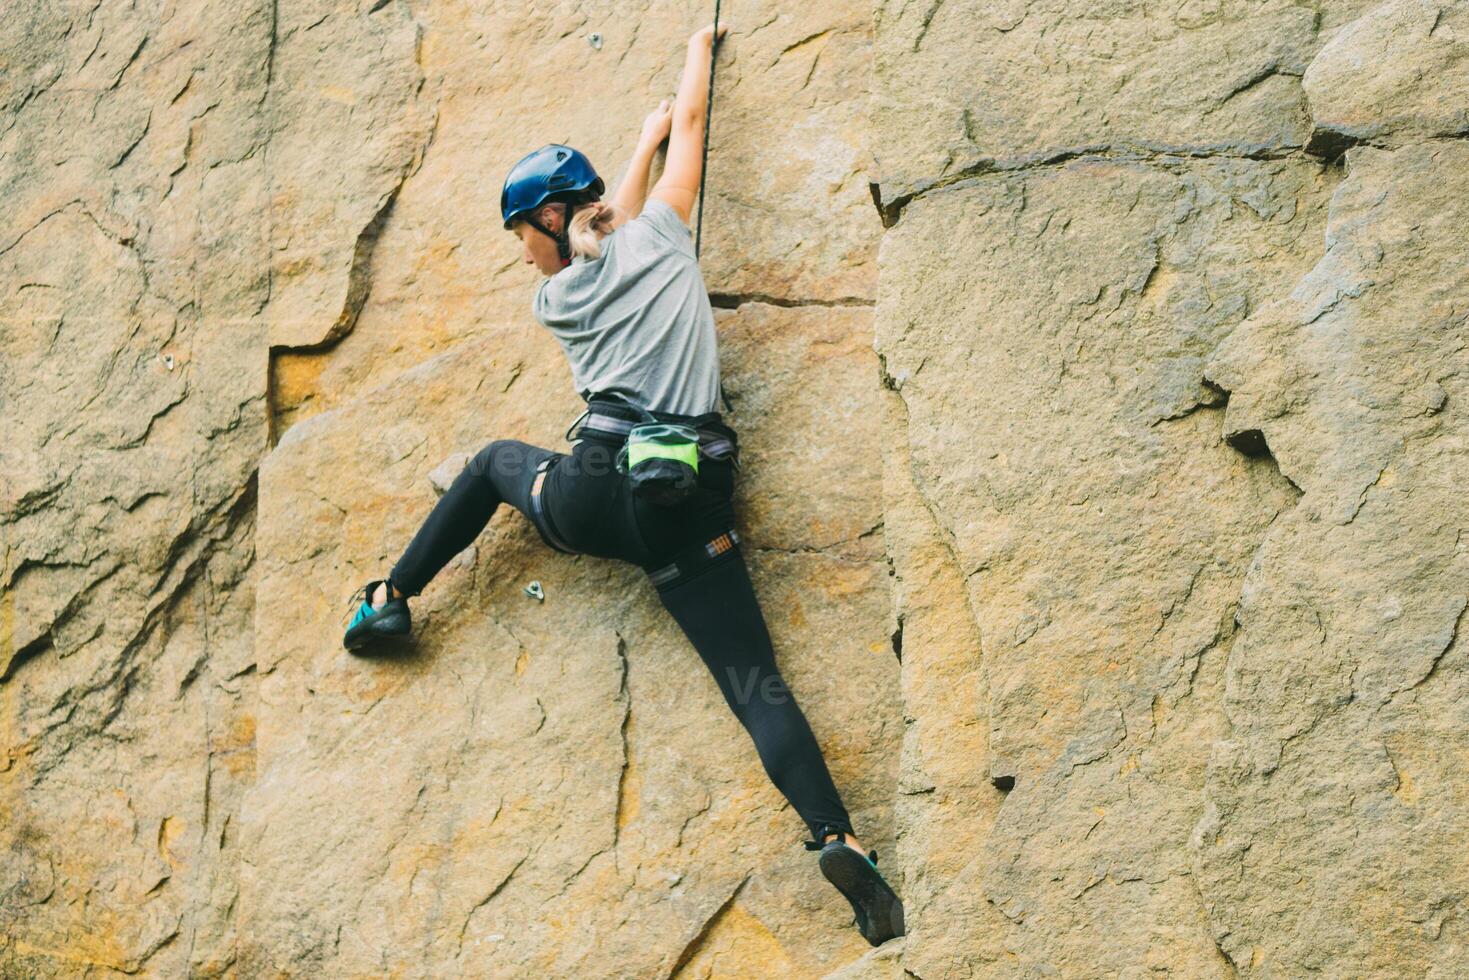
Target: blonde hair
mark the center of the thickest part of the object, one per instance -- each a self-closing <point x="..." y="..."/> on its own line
<point x="591" y="222"/>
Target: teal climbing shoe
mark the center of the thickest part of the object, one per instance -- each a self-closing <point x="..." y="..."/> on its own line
<point x="876" y="907"/>
<point x="388" y="625"/>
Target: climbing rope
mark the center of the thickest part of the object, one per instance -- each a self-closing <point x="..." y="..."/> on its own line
<point x="708" y="122"/>
<point x="704" y="163"/>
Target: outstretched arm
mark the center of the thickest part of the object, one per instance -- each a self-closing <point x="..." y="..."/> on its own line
<point x="633" y="190"/>
<point x="679" y="184"/>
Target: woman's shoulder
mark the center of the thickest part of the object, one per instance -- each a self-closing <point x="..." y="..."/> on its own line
<point x="658" y="225"/>
<point x="549" y="301"/>
<point x="559" y="295"/>
<point x="661" y="215"/>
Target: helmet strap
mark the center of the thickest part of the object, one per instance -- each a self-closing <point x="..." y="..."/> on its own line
<point x="563" y="240"/>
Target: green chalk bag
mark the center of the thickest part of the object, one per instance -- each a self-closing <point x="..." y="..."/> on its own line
<point x="661" y="460"/>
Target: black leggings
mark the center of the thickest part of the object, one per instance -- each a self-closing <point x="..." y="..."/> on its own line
<point x="589" y="507"/>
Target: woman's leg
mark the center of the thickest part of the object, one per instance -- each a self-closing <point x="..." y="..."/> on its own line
<point x="502" y="472"/>
<point x="719" y="613"/>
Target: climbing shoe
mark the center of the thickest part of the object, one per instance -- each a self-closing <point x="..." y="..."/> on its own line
<point x="877" y="909"/>
<point x="377" y="626"/>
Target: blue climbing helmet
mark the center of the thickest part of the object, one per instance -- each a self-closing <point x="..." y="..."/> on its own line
<point x="552" y="173"/>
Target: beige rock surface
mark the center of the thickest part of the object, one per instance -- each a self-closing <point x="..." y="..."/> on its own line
<point x="1101" y="590"/>
<point x="1398" y="75"/>
<point x="348" y="124"/>
<point x="133" y="264"/>
<point x="966" y="86"/>
<point x="1116" y="554"/>
<point x="555" y="788"/>
<point x="1341" y="772"/>
<point x="1218" y="686"/>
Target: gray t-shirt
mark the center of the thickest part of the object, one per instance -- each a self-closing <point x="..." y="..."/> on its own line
<point x="636" y="321"/>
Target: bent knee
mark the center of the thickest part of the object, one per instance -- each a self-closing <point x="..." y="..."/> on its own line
<point x="503" y="457"/>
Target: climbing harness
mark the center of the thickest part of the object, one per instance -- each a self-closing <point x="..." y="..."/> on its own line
<point x="539" y="517"/>
<point x="693" y="560"/>
<point x="597" y="420"/>
<point x="660" y="457"/>
<point x="612" y="418"/>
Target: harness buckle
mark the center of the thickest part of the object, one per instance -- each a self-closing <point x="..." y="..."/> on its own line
<point x="539" y="515"/>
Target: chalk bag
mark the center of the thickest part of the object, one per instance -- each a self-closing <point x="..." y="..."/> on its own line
<point x="661" y="460"/>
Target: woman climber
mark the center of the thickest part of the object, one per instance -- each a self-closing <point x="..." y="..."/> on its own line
<point x="627" y="302"/>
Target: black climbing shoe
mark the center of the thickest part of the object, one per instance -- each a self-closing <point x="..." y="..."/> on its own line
<point x="878" y="910"/>
<point x="384" y="626"/>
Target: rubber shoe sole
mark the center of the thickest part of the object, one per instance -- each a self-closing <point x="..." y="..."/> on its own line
<point x="388" y="628"/>
<point x="878" y="909"/>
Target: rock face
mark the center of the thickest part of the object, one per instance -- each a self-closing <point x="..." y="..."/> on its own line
<point x="1102" y="487"/>
<point x="134" y="264"/>
<point x="1167" y="490"/>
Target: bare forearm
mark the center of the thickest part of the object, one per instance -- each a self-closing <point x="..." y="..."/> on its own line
<point x="633" y="190"/>
<point x="684" y="166"/>
<point x="692" y="101"/>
